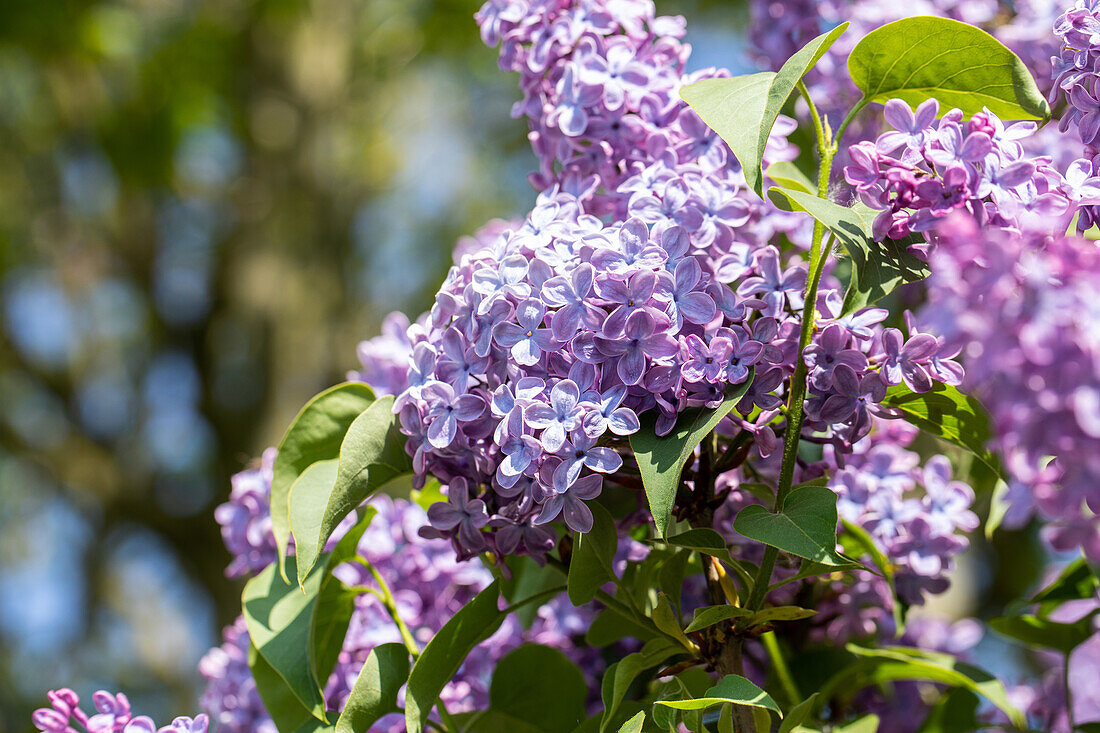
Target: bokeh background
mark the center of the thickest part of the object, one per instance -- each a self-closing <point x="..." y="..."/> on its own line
<point x="204" y="206"/>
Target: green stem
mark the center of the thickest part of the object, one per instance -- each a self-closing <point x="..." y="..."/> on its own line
<point x="782" y="671"/>
<point x="549" y="593"/>
<point x="848" y="120"/>
<point x="386" y="596"/>
<point x="818" y="255"/>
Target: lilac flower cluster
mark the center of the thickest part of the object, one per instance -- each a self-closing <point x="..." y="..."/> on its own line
<point x="113" y="715"/>
<point x="914" y="513"/>
<point x="1076" y="74"/>
<point x="925" y="169"/>
<point x="600" y="81"/>
<point x="428" y="583"/>
<point x="1024" y="311"/>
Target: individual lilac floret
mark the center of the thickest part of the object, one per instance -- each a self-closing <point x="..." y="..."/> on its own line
<point x="385" y="358"/>
<point x="1022" y="313"/>
<point x="112" y="716"/>
<point x="926" y="169"/>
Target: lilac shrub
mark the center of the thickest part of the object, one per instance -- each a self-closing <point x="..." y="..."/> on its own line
<point x="658" y="413"/>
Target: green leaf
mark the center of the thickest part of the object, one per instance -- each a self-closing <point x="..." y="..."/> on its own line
<point x="887" y="664"/>
<point x="286" y="710"/>
<point x="866" y="724"/>
<point x="295" y="629"/>
<point x="528" y="579"/>
<point x="439" y="661"/>
<point x="375" y="691"/>
<point x="711" y="615"/>
<point x="540" y="685"/>
<point x="703" y="540"/>
<point x="998" y="508"/>
<point x="620" y="675"/>
<point x="780" y="613"/>
<point x="1075" y="582"/>
<point x="799" y="714"/>
<point x="611" y="626"/>
<point x="634" y="725"/>
<point x="665" y="619"/>
<point x="878" y="268"/>
<point x="731" y="688"/>
<point x="788" y="175"/>
<point x="1032" y="630"/>
<point x="372" y="454"/>
<point x="806" y="527"/>
<point x="662" y="460"/>
<point x="590" y="567"/>
<point x="946" y="413"/>
<point x="955" y="712"/>
<point x="305" y="502"/>
<point x="920" y="58"/>
<point x="670" y="577"/>
<point x="315" y="435"/>
<point x="742" y="110"/>
<point x="492" y="721"/>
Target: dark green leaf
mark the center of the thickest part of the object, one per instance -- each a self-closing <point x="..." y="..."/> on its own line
<point x="1075" y="582"/>
<point x="375" y="691"/>
<point x="919" y="58"/>
<point x="946" y="413"/>
<point x="1064" y="637"/>
<point x="955" y="712"/>
<point x="703" y="540"/>
<point x="661" y="460"/>
<point x="286" y="710"/>
<point x="742" y="110"/>
<point x="610" y="626"/>
<point x="474" y="623"/>
<point x="294" y="629"/>
<point x="670" y="577"/>
<point x="806" y="527"/>
<point x="780" y="613"/>
<point x="877" y="267"/>
<point x="315" y="435"/>
<point x="540" y="685"/>
<point x="593" y="553"/>
<point x="887" y="664"/>
<point x="732" y="689"/>
<point x="492" y="721"/>
<point x="621" y="675"/>
<point x="799" y="714"/>
<point x="528" y="579"/>
<point x="711" y="615"/>
<point x="372" y="454"/>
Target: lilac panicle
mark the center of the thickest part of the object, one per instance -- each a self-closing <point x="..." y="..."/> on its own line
<point x="112" y="715"/>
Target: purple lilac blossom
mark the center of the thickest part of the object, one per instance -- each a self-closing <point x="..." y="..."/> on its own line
<point x="113" y="715"/>
<point x="927" y="168"/>
<point x="1023" y="312"/>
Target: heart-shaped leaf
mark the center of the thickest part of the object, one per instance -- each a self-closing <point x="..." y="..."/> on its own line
<point x="923" y="57"/>
<point x="743" y="109"/>
<point x="661" y="459"/>
<point x="372" y="453"/>
<point x="806" y="527"/>
<point x="375" y="691"/>
<point x="540" y="685"/>
<point x="315" y="435"/>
